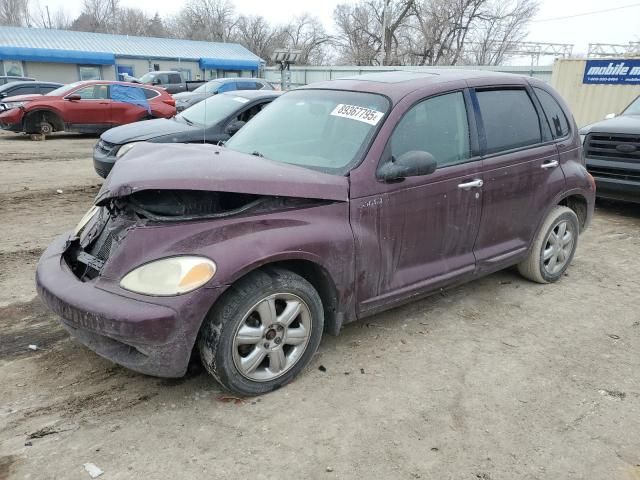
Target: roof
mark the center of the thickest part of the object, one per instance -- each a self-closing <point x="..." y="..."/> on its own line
<point x="66" y="46"/>
<point x="28" y="84"/>
<point x="397" y="84"/>
<point x="253" y="94"/>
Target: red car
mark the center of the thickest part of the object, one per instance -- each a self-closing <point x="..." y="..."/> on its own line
<point x="86" y="107"/>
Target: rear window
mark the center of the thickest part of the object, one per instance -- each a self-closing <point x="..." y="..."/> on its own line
<point x="555" y="116"/>
<point x="510" y="119"/>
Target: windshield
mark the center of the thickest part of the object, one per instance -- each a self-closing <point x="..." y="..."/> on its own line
<point x="212" y="110"/>
<point x="147" y="77"/>
<point x="633" y="109"/>
<point x="63" y="89"/>
<point x="209" y="87"/>
<point x="327" y="130"/>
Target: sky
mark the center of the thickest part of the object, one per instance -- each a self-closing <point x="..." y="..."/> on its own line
<point x="617" y="25"/>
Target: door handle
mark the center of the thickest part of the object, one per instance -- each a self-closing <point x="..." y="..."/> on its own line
<point x="550" y="164"/>
<point x="477" y="183"/>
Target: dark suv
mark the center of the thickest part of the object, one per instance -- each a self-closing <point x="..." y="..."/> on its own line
<point x="340" y="200"/>
<point x="612" y="153"/>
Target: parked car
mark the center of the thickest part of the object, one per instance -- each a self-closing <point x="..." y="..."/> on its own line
<point x="213" y="87"/>
<point x="340" y="200"/>
<point x="612" y="154"/>
<point x="88" y="107"/>
<point x="25" y="88"/>
<point x="12" y="78"/>
<point x="171" y="81"/>
<point x="212" y="121"/>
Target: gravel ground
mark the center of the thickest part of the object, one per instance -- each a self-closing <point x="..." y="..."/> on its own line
<point x="497" y="379"/>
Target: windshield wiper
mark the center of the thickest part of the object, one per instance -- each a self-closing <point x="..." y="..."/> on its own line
<point x="187" y="121"/>
<point x="257" y="154"/>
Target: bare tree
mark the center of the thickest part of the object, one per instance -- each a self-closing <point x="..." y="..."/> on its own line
<point x="57" y="19"/>
<point x="494" y="38"/>
<point x="14" y="13"/>
<point x="259" y="37"/>
<point x="371" y="27"/>
<point x="306" y="33"/>
<point x="97" y="16"/>
<point x="211" y="20"/>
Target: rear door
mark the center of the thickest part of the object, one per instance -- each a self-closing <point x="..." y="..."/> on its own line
<point x="519" y="170"/>
<point x="94" y="107"/>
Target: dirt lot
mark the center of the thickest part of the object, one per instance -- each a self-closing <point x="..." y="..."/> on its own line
<point x="498" y="379"/>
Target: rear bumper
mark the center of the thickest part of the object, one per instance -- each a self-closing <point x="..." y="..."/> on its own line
<point x="149" y="338"/>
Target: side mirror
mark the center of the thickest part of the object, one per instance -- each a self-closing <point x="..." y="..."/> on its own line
<point x="156" y="81"/>
<point x="610" y="116"/>
<point x="410" y="164"/>
<point x="233" y="127"/>
<point x="74" y="97"/>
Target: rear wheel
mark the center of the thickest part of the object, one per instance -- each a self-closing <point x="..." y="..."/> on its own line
<point x="553" y="248"/>
<point x="263" y="332"/>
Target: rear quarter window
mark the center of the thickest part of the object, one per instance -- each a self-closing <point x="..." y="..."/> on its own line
<point x="510" y="119"/>
<point x="552" y="110"/>
<point x="149" y="94"/>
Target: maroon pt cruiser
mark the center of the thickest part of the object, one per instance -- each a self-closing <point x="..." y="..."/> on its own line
<point x="338" y="201"/>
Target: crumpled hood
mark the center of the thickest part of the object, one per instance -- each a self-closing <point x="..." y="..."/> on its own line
<point x="145" y="130"/>
<point x="627" y="124"/>
<point x="211" y="168"/>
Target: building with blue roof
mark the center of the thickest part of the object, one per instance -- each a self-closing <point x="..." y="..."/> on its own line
<point x="66" y="56"/>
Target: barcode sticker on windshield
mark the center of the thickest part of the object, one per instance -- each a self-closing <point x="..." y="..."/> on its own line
<point x="354" y="112"/>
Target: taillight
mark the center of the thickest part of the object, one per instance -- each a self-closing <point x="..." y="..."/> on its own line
<point x="170" y="101"/>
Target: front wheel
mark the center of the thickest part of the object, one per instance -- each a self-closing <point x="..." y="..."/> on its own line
<point x="262" y="332"/>
<point x="553" y="247"/>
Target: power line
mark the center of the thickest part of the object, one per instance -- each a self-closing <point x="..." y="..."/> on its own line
<point x="586" y="13"/>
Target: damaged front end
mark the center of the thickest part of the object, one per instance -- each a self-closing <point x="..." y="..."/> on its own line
<point x="95" y="241"/>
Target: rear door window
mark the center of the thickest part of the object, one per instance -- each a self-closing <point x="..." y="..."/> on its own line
<point x="227" y="87"/>
<point x="438" y="125"/>
<point x="175" y="78"/>
<point x="246" y="85"/>
<point x="555" y="116"/>
<point x="510" y="119"/>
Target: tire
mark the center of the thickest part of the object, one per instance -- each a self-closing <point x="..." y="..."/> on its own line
<point x="262" y="332"/>
<point x="550" y="255"/>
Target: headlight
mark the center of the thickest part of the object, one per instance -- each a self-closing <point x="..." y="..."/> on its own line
<point x="11" y="105"/>
<point x="124" y="149"/>
<point x="169" y="276"/>
<point x="85" y="219"/>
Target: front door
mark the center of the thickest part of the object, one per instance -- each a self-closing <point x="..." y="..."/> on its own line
<point x="420" y="235"/>
<point x="93" y="108"/>
<point x="520" y="171"/>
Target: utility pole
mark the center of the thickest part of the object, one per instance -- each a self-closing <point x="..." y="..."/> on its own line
<point x="384" y="31"/>
<point x="48" y="16"/>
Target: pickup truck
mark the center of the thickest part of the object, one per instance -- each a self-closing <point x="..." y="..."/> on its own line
<point x="171" y="81"/>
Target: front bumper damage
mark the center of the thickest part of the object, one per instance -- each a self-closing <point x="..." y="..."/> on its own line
<point x="150" y="338"/>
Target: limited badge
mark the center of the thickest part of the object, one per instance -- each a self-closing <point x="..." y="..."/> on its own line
<point x="362" y="114"/>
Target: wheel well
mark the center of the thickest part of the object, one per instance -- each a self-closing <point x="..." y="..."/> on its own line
<point x="33" y="119"/>
<point x="322" y="282"/>
<point x="578" y="204"/>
